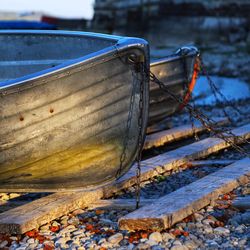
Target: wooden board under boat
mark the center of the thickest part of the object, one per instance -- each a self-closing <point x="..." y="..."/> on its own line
<point x="176" y="72"/>
<point x="65" y="99"/>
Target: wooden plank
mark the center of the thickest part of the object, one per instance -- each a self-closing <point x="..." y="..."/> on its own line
<point x="37" y="213"/>
<point x="173" y="159"/>
<point x="211" y="162"/>
<point x="41" y="211"/>
<point x="175" y="134"/>
<point x="242" y="202"/>
<point x="177" y="205"/>
<point x="128" y="204"/>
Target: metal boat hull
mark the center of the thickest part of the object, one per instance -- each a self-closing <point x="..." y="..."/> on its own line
<point x="64" y="127"/>
<point x="176" y="72"/>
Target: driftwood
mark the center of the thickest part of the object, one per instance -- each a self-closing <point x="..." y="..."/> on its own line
<point x="39" y="212"/>
<point x="177" y="205"/>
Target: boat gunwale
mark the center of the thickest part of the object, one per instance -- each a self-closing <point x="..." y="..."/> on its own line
<point x="75" y="65"/>
<point x="173" y="57"/>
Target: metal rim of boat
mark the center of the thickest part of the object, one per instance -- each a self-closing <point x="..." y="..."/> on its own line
<point x="122" y="44"/>
<point x="193" y="51"/>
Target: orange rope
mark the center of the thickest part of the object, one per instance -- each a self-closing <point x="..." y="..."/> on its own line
<point x="191" y="85"/>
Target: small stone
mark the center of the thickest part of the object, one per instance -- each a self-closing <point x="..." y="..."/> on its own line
<point x="179" y="247"/>
<point x="207" y="229"/>
<point x="240" y="229"/>
<point x="181" y="225"/>
<point x="107" y="245"/>
<point x="190" y="245"/>
<point x="13" y="238"/>
<point x="78" y="232"/>
<point x="67" y="229"/>
<point x="115" y="239"/>
<point x="64" y="246"/>
<point x="64" y="222"/>
<point x="235" y="243"/>
<point x="73" y="221"/>
<point x="65" y="217"/>
<point x="213" y="245"/>
<point x="199" y="225"/>
<point x="55" y="224"/>
<point x="142" y="246"/>
<point x="4" y="197"/>
<point x="21" y="248"/>
<point x="14" y="195"/>
<point x="221" y="231"/>
<point x="77" y="212"/>
<point x="166" y="237"/>
<point x="151" y="242"/>
<point x="130" y="246"/>
<point x="191" y="225"/>
<point x="101" y="241"/>
<point x="62" y="241"/>
<point x="24" y="240"/>
<point x="177" y="242"/>
<point x="45" y="227"/>
<point x="31" y="241"/>
<point x="156" y="236"/>
<point x="106" y="222"/>
<point x="3" y="244"/>
<point x="198" y="217"/>
<point x="157" y="247"/>
<point x="208" y="222"/>
<point x="210" y="209"/>
<point x="242" y="243"/>
<point x="32" y="246"/>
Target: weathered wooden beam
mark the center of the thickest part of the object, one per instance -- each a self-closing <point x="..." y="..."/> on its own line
<point x="242" y="202"/>
<point x="211" y="162"/>
<point x="173" y="159"/>
<point x="178" y="133"/>
<point x="128" y="204"/>
<point x="177" y="205"/>
<point x="39" y="212"/>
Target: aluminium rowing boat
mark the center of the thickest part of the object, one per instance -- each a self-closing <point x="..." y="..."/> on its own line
<point x="65" y="100"/>
<point x="178" y="72"/>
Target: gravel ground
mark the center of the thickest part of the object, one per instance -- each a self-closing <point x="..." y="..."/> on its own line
<point x="215" y="227"/>
<point x="218" y="226"/>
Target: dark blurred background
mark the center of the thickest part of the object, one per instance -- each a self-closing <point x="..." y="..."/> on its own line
<point x="220" y="28"/>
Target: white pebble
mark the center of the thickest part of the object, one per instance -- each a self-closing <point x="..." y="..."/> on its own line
<point x="221" y="231"/>
<point x="115" y="239"/>
<point x="156" y="236"/>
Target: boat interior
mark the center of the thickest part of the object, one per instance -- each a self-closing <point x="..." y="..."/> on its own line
<point x="22" y="54"/>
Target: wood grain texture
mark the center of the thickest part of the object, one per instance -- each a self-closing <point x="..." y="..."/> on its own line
<point x="211" y="162"/>
<point x="177" y="205"/>
<point x="174" y="159"/>
<point x="41" y="211"/>
<point x="128" y="204"/>
<point x="37" y="213"/>
<point x="175" y="134"/>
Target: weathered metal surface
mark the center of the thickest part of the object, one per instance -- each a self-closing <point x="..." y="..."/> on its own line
<point x="176" y="72"/>
<point x="63" y="124"/>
